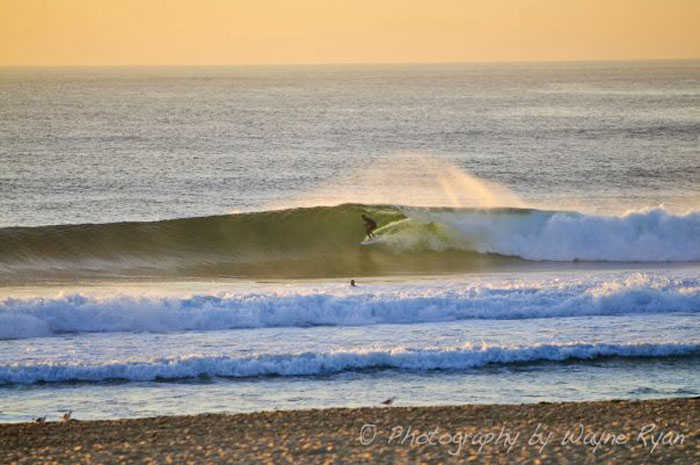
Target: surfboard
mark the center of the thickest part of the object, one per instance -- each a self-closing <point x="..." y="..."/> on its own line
<point x="374" y="240"/>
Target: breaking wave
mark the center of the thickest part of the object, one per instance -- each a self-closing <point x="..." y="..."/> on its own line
<point x="328" y="363"/>
<point x="638" y="293"/>
<point x="325" y="242"/>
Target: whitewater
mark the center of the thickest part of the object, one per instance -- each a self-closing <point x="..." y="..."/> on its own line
<point x="326" y="363"/>
<point x="337" y="304"/>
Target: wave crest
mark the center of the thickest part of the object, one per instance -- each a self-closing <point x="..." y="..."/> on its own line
<point x="326" y="363"/>
<point x="325" y="242"/>
<point x="633" y="294"/>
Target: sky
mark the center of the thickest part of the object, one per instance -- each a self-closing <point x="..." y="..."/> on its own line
<point x="239" y="32"/>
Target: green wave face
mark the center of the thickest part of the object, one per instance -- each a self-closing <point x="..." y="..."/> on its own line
<point x="295" y="243"/>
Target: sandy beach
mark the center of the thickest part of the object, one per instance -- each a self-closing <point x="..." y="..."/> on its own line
<point x="651" y="431"/>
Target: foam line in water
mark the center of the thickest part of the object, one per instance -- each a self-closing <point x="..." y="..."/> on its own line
<point x="325" y="363"/>
<point x="637" y="293"/>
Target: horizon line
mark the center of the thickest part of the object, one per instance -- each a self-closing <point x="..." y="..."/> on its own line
<point x="351" y="63"/>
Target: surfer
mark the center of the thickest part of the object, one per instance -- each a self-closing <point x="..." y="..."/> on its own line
<point x="370" y="225"/>
<point x="352" y="283"/>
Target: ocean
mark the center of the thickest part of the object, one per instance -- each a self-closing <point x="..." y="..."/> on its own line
<point x="181" y="240"/>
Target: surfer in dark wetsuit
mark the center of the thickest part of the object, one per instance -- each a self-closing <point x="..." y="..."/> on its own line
<point x="370" y="225"/>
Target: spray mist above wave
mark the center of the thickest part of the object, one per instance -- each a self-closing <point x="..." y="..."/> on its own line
<point x="327" y="363"/>
<point x="408" y="179"/>
<point x="334" y="306"/>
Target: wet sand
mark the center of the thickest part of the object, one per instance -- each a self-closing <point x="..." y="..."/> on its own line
<point x="652" y="431"/>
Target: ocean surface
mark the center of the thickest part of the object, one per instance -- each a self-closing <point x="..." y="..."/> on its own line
<point x="181" y="240"/>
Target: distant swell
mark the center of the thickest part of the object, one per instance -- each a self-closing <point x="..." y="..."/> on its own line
<point x="326" y="363"/>
<point x="637" y="293"/>
<point x="325" y="242"/>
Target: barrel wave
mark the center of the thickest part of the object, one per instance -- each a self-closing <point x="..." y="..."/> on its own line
<point x="324" y="242"/>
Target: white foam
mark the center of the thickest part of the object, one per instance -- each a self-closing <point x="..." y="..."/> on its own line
<point x="332" y="304"/>
<point x="324" y="363"/>
<point x="649" y="235"/>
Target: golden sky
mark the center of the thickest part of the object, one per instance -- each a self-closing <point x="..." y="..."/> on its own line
<point x="217" y="32"/>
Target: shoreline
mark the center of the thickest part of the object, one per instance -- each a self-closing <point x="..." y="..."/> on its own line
<point x="612" y="431"/>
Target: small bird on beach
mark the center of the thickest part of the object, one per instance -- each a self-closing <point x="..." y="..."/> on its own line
<point x="66" y="416"/>
<point x="40" y="419"/>
<point x="389" y="401"/>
